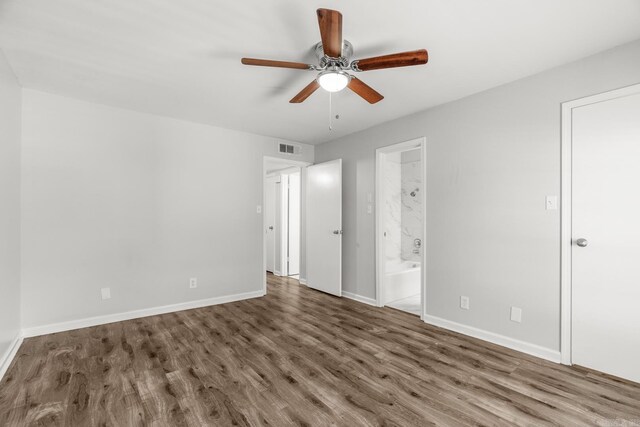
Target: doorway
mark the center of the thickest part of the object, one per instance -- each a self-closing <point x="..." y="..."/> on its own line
<point x="600" y="232"/>
<point x="283" y="210"/>
<point x="401" y="226"/>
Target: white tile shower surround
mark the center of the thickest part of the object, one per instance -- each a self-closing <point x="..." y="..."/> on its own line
<point x="410" y="304"/>
<point x="392" y="209"/>
<point x="411" y="209"/>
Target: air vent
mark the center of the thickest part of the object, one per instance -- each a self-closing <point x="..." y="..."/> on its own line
<point x="289" y="149"/>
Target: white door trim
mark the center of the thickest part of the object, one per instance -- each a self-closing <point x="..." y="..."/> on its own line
<point x="565" y="209"/>
<point x="380" y="271"/>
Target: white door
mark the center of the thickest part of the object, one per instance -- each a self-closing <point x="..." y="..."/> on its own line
<point x="606" y="213"/>
<point x="270" y="221"/>
<point x="324" y="227"/>
<point x="294" y="224"/>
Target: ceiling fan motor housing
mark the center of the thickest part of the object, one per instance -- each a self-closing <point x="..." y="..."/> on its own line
<point x="343" y="61"/>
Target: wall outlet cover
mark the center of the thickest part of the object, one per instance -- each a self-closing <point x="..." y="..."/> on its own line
<point x="516" y="314"/>
<point x="551" y="203"/>
<point x="464" y="302"/>
<point x="106" y="293"/>
<point x="193" y="282"/>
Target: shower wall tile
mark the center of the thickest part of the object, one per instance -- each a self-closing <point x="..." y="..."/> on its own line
<point x="392" y="209"/>
<point x="411" y="207"/>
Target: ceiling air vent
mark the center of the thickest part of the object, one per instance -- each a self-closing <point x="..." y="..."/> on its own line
<point x="289" y="149"/>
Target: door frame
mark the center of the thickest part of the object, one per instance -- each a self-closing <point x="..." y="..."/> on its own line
<point x="293" y="163"/>
<point x="565" y="209"/>
<point x="420" y="143"/>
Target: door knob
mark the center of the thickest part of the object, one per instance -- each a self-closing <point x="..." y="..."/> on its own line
<point x="337" y="231"/>
<point x="582" y="243"/>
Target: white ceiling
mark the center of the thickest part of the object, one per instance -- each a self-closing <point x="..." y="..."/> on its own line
<point x="182" y="58"/>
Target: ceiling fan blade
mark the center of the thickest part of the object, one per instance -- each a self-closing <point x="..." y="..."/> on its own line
<point x="280" y="64"/>
<point x="404" y="59"/>
<point x="364" y="90"/>
<point x="305" y="93"/>
<point x="330" y="22"/>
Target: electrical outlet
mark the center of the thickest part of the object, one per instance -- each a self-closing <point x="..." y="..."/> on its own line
<point x="193" y="282"/>
<point x="464" y="302"/>
<point x="106" y="293"/>
<point x="516" y="314"/>
<point x="551" y="203"/>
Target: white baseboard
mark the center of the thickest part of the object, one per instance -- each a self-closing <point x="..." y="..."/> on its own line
<point x="514" y="344"/>
<point x="118" y="317"/>
<point x="277" y="273"/>
<point x="302" y="281"/>
<point x="8" y="355"/>
<point x="360" y="298"/>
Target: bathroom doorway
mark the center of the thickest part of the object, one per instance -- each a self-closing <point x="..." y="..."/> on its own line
<point x="401" y="226"/>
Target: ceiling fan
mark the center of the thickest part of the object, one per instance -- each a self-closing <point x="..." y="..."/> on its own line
<point x="334" y="62"/>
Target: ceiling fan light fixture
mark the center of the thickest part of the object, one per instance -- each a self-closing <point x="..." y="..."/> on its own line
<point x="333" y="80"/>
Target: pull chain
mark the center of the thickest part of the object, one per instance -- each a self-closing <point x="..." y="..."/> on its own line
<point x="330" y="115"/>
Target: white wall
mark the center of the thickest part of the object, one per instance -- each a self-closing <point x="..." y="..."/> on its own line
<point x="138" y="203"/>
<point x="492" y="159"/>
<point x="10" y="113"/>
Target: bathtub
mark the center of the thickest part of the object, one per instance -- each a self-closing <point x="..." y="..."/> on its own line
<point x="401" y="280"/>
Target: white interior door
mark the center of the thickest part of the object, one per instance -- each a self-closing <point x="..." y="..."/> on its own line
<point x="270" y="221"/>
<point x="606" y="213"/>
<point x="294" y="224"/>
<point x="324" y="227"/>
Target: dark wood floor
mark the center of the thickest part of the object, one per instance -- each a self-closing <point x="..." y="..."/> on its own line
<point x="297" y="357"/>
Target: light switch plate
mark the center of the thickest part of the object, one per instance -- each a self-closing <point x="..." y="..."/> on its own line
<point x="464" y="302"/>
<point x="516" y="314"/>
<point x="106" y="293"/>
<point x="258" y="209"/>
<point x="551" y="203"/>
<point x="369" y="209"/>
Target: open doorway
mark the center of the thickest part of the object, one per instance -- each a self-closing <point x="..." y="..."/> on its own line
<point x="283" y="217"/>
<point x="287" y="217"/>
<point x="401" y="226"/>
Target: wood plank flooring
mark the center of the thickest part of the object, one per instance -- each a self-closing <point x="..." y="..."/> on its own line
<point x="297" y="357"/>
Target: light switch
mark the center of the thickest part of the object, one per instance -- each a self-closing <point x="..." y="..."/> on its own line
<point x="259" y="209"/>
<point x="106" y="293"/>
<point x="551" y="203"/>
